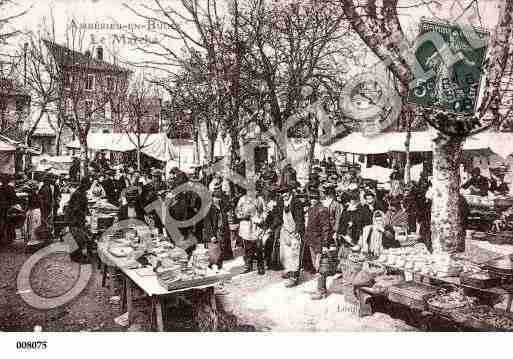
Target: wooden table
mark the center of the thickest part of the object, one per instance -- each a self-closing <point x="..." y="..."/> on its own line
<point x="151" y="288"/>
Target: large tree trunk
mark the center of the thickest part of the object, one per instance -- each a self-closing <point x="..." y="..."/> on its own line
<point x="211" y="149"/>
<point x="84" y="160"/>
<point x="58" y="140"/>
<point x="446" y="222"/>
<point x="407" y="165"/>
<point x="313" y="139"/>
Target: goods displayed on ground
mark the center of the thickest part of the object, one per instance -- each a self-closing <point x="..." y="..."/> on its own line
<point x="490" y="318"/>
<point x="501" y="268"/>
<point x="457" y="290"/>
<point x="447" y="301"/>
<point x="412" y="294"/>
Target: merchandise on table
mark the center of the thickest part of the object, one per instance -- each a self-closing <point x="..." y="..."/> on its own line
<point x="419" y="260"/>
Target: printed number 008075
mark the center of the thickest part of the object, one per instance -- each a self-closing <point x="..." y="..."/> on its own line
<point x="35" y="345"/>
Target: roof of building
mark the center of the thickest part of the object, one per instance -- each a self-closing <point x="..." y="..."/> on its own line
<point x="66" y="57"/>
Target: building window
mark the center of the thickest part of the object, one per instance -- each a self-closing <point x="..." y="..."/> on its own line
<point x="108" y="111"/>
<point x="68" y="106"/>
<point x="90" y="82"/>
<point x="20" y="104"/>
<point x="67" y="80"/>
<point x="88" y="108"/>
<point x="110" y="83"/>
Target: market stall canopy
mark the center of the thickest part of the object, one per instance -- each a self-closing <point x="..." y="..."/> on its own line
<point x="422" y="141"/>
<point x="7" y="147"/>
<point x="377" y="173"/>
<point x="155" y="145"/>
<point x="119" y="142"/>
<point x="165" y="149"/>
<point x="54" y="164"/>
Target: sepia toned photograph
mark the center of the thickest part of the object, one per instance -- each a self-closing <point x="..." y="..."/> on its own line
<point x="255" y="166"/>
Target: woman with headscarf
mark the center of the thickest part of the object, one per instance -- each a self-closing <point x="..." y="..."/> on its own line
<point x="377" y="236"/>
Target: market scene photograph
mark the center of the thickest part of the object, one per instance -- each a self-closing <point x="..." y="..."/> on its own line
<point x="256" y="166"/>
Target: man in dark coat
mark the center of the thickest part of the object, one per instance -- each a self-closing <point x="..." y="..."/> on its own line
<point x="133" y="208"/>
<point x="74" y="170"/>
<point x="121" y="182"/>
<point x="46" y="199"/>
<point x="272" y="223"/>
<point x="76" y="213"/>
<point x="216" y="233"/>
<point x="335" y="210"/>
<point x="152" y="192"/>
<point x="316" y="239"/>
<point x="477" y="184"/>
<point x="109" y="186"/>
<point x="8" y="199"/>
<point x="351" y="223"/>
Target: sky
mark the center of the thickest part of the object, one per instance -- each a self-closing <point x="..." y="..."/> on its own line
<point x="113" y="12"/>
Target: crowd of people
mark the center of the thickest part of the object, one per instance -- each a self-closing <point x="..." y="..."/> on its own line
<point x="282" y="226"/>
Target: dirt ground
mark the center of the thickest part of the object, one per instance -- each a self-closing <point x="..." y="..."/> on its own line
<point x="255" y="303"/>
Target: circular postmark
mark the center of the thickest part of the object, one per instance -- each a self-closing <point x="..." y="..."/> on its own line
<point x="25" y="277"/>
<point x="371" y="103"/>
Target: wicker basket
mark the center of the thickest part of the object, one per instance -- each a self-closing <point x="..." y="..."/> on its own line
<point x="446" y="311"/>
<point x="479" y="236"/>
<point x="411" y="294"/>
<point x="476" y="282"/>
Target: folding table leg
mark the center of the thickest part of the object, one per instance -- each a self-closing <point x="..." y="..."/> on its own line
<point x="158" y="314"/>
<point x="129" y="298"/>
<point x="213" y="304"/>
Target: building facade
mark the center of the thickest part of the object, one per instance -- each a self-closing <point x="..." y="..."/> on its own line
<point x="91" y="89"/>
<point x="14" y="109"/>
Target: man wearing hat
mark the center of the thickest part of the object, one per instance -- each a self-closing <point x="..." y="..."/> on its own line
<point x="74" y="170"/>
<point x="8" y="199"/>
<point x="46" y="196"/>
<point x="250" y="213"/>
<point x="316" y="240"/>
<point x="335" y="209"/>
<point x="151" y="192"/>
<point x="216" y="234"/>
<point x="110" y="187"/>
<point x="273" y="205"/>
<point x="76" y="217"/>
<point x="292" y="229"/>
<point x="132" y="209"/>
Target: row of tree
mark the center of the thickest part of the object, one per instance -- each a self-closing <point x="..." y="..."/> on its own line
<point x="229" y="64"/>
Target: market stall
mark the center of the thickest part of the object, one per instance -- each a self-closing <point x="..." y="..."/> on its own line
<point x="442" y="286"/>
<point x="7" y="157"/>
<point x="160" y="270"/>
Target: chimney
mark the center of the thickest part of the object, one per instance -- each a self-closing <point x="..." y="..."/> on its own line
<point x="99" y="53"/>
